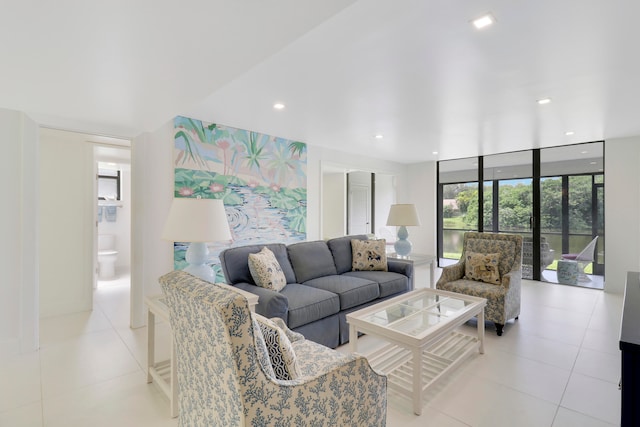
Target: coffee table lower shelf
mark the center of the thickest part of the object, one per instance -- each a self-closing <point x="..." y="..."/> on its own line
<point x="396" y="361"/>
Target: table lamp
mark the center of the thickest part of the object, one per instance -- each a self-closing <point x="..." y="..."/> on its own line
<point x="197" y="221"/>
<point x="403" y="215"/>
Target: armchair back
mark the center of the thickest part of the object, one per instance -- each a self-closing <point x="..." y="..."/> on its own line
<point x="221" y="379"/>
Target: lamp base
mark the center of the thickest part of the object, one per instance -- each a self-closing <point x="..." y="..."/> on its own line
<point x="197" y="256"/>
<point x="402" y="245"/>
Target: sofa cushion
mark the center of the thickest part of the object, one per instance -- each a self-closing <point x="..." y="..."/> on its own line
<point x="389" y="283"/>
<point x="482" y="267"/>
<point x="369" y="255"/>
<point x="341" y="251"/>
<point x="307" y="304"/>
<point x="235" y="266"/>
<point x="311" y="260"/>
<point x="352" y="291"/>
<point x="266" y="271"/>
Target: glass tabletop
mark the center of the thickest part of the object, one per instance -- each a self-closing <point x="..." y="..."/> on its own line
<point x="419" y="313"/>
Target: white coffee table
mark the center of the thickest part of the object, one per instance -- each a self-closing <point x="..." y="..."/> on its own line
<point x="420" y="328"/>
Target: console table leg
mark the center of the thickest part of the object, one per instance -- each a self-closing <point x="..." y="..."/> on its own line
<point x="481" y="331"/>
<point x="151" y="334"/>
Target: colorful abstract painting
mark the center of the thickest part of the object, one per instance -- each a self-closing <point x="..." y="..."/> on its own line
<point x="261" y="179"/>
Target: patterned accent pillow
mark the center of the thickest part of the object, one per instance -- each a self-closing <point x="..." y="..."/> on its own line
<point x="369" y="255"/>
<point x="482" y="267"/>
<point x="283" y="358"/>
<point x="266" y="270"/>
<point x="261" y="349"/>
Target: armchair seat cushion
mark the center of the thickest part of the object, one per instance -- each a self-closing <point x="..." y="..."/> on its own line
<point x="473" y="288"/>
<point x="308" y="304"/>
<point x="495" y="295"/>
<point x="353" y="291"/>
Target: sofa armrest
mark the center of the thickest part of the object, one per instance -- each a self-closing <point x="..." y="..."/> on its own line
<point x="400" y="266"/>
<point x="451" y="273"/>
<point x="270" y="303"/>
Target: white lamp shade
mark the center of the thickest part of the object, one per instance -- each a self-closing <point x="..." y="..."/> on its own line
<point x="196" y="220"/>
<point x="403" y="214"/>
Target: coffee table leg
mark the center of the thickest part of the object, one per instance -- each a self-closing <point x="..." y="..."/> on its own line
<point x="417" y="381"/>
<point x="481" y="331"/>
<point x="353" y="339"/>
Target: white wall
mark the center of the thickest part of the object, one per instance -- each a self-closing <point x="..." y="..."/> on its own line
<point x="385" y="197"/>
<point x="151" y="194"/>
<point x="334" y="196"/>
<point x="19" y="233"/>
<point x="622" y="210"/>
<point x="422" y="192"/>
<point x="66" y="221"/>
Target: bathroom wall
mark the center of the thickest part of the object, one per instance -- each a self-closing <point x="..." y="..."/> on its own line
<point x="121" y="227"/>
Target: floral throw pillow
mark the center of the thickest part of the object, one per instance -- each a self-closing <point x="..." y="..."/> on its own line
<point x="283" y="358"/>
<point x="266" y="270"/>
<point x="482" y="267"/>
<point x="369" y="255"/>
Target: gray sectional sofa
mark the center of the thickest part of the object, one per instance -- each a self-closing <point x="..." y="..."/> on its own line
<point x="321" y="286"/>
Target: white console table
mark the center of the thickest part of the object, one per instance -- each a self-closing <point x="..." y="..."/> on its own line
<point x="420" y="259"/>
<point x="164" y="372"/>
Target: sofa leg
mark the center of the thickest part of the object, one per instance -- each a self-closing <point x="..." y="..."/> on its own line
<point x="499" y="327"/>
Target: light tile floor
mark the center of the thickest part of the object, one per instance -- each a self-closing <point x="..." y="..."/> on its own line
<point x="557" y="366"/>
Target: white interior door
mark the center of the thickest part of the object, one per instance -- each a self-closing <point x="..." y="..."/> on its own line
<point x="359" y="209"/>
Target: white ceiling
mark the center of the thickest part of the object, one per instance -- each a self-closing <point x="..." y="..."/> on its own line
<point x="415" y="71"/>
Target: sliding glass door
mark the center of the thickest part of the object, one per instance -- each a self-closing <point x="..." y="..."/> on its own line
<point x="553" y="198"/>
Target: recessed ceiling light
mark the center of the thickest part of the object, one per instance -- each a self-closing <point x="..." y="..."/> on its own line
<point x="569" y="133"/>
<point x="278" y="106"/>
<point x="434" y="152"/>
<point x="378" y="136"/>
<point x="544" y="101"/>
<point x="484" y="21"/>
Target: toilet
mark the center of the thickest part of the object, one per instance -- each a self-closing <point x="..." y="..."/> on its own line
<point x="107" y="256"/>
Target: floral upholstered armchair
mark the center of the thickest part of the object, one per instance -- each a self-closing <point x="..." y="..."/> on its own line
<point x="490" y="267"/>
<point x="227" y="375"/>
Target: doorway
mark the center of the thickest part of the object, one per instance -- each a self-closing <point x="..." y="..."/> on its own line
<point x="113" y="217"/>
<point x="67" y="219"/>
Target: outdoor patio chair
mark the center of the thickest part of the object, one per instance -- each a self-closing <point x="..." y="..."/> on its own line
<point x="584" y="258"/>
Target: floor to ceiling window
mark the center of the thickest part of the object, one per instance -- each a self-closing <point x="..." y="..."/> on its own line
<point x="552" y="197"/>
